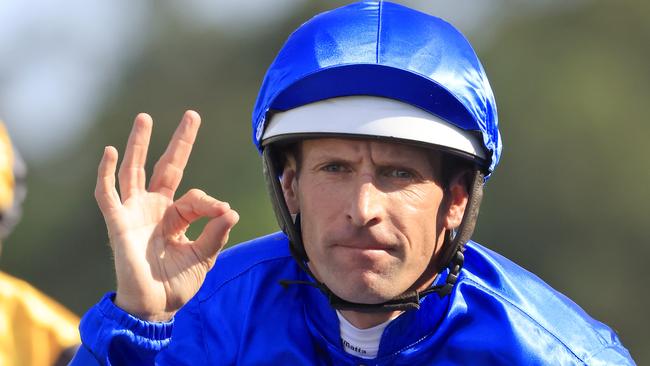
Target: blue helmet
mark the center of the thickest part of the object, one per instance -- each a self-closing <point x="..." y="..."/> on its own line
<point x="384" y="50"/>
<point x="417" y="69"/>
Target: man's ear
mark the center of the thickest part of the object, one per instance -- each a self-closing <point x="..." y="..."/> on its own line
<point x="289" y="182"/>
<point x="456" y="201"/>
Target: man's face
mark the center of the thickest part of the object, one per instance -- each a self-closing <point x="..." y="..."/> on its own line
<point x="372" y="215"/>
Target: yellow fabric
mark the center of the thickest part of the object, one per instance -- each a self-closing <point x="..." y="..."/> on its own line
<point x="6" y="170"/>
<point x="34" y="329"/>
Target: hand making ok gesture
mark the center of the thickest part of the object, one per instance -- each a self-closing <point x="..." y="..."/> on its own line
<point x="158" y="268"/>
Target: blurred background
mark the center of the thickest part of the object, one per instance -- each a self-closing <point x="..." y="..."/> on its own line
<point x="569" y="201"/>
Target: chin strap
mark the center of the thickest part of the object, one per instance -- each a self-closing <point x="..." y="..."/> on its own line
<point x="452" y="255"/>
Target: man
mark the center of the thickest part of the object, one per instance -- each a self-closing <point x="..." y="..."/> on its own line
<point x="377" y="127"/>
<point x="34" y="329"/>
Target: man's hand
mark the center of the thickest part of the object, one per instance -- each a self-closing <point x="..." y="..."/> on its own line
<point x="158" y="268"/>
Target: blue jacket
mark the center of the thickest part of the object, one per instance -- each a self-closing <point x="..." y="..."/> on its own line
<point x="497" y="314"/>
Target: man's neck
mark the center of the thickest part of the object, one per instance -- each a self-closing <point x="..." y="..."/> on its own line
<point x="363" y="320"/>
<point x="368" y="320"/>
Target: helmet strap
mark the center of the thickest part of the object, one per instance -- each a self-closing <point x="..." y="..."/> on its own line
<point x="454" y="246"/>
<point x="282" y="214"/>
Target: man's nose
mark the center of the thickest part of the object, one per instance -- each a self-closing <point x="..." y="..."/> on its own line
<point x="366" y="206"/>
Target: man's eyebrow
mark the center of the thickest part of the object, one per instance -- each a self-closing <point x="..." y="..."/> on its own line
<point x="331" y="155"/>
<point x="329" y="159"/>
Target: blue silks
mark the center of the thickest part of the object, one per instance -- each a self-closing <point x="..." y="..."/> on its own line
<point x="387" y="50"/>
<point x="497" y="314"/>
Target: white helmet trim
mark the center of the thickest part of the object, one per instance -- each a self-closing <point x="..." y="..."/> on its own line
<point x="373" y="116"/>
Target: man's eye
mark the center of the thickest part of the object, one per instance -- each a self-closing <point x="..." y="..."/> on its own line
<point x="333" y="168"/>
<point x="400" y="174"/>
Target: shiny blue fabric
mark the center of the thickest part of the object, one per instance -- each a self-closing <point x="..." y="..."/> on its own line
<point x="387" y="50"/>
<point x="497" y="314"/>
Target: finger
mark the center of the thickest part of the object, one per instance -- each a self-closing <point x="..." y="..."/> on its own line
<point x="132" y="175"/>
<point x="105" y="192"/>
<point x="215" y="234"/>
<point x="189" y="208"/>
<point x="168" y="171"/>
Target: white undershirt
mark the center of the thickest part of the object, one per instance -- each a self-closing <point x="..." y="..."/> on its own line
<point x="363" y="343"/>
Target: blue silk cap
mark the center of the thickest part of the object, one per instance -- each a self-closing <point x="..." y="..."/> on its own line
<point x="386" y="50"/>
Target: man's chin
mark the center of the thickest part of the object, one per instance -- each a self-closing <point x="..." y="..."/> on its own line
<point x="356" y="284"/>
<point x="364" y="292"/>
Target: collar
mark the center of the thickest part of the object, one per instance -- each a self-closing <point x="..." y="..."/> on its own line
<point x="406" y="330"/>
